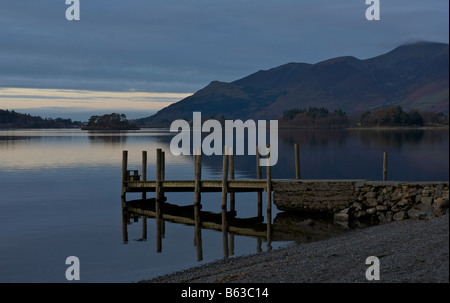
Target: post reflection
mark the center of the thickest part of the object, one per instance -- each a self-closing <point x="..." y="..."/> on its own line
<point x="285" y="227"/>
<point x="225" y="221"/>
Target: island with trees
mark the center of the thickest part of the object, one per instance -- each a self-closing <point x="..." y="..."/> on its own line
<point x="112" y="122"/>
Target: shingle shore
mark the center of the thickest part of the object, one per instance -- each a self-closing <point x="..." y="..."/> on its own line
<point x="408" y="251"/>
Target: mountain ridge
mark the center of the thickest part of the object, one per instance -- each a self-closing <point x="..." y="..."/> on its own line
<point x="414" y="76"/>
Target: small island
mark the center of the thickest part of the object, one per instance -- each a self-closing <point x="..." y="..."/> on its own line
<point x="112" y="121"/>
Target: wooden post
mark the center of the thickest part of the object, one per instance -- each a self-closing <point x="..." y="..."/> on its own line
<point x="269" y="181"/>
<point x="124" y="171"/>
<point x="163" y="165"/>
<point x="385" y="155"/>
<point x="297" y="162"/>
<point x="224" y="178"/>
<point x="158" y="175"/>
<point x="232" y="195"/>
<point x="163" y="173"/>
<point x="269" y="199"/>
<point x="198" y="178"/>
<point x="224" y="202"/>
<point x="258" y="176"/>
<point x="144" y="171"/>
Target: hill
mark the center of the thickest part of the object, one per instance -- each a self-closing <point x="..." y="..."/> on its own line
<point x="413" y="76"/>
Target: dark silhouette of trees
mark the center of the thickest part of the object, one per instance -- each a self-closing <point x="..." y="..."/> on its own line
<point x="13" y="119"/>
<point x="391" y="116"/>
<point x="112" y="121"/>
<point x="314" y="118"/>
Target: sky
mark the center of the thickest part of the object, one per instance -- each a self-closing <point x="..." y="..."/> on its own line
<point x="138" y="56"/>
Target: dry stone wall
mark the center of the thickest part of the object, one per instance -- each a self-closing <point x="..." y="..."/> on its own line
<point x="363" y="199"/>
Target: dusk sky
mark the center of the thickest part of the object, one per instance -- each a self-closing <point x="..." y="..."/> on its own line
<point x="138" y="56"/>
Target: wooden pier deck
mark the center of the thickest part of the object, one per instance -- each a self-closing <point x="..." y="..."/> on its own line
<point x="189" y="186"/>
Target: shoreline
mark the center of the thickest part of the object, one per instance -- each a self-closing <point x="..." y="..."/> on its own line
<point x="408" y="251"/>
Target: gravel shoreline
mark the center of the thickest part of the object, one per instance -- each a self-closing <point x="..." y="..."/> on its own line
<point x="408" y="251"/>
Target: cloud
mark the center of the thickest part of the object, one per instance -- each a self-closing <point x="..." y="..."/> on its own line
<point x="60" y="102"/>
<point x="180" y="46"/>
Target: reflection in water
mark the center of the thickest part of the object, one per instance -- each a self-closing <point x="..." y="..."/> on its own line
<point x="393" y="137"/>
<point x="285" y="227"/>
<point x="95" y="138"/>
<point x="314" y="136"/>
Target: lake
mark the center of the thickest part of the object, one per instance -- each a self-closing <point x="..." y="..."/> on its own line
<point x="60" y="196"/>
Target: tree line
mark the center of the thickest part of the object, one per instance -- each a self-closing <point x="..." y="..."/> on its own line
<point x="13" y="119"/>
<point x="396" y="116"/>
<point x="315" y="117"/>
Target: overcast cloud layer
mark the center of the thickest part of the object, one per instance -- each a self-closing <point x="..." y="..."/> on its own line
<point x="182" y="45"/>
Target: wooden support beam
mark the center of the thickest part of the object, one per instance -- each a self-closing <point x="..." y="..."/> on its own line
<point x="385" y="157"/>
<point x="297" y="161"/>
<point x="258" y="176"/>
<point x="144" y="171"/>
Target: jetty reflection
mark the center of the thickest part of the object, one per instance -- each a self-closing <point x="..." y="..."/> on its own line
<point x="286" y="227"/>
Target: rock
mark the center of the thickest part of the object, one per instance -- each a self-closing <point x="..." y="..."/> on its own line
<point x="371" y="194"/>
<point x="441" y="207"/>
<point x="427" y="200"/>
<point x="360" y="214"/>
<point x="399" y="216"/>
<point x="421" y="212"/>
<point x="307" y="222"/>
<point x="341" y="217"/>
<point x="370" y="202"/>
<point x="357" y="206"/>
<point x="381" y="208"/>
<point x="372" y="210"/>
<point x="402" y="202"/>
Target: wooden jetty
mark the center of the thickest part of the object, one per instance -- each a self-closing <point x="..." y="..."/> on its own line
<point x="132" y="182"/>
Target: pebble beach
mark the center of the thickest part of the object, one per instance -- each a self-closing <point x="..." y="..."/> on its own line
<point x="408" y="251"/>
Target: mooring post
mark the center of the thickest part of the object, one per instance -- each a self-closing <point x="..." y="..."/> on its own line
<point x="144" y="171"/>
<point x="158" y="175"/>
<point x="124" y="171"/>
<point x="297" y="161"/>
<point x="258" y="176"/>
<point x="224" y="201"/>
<point x="224" y="178"/>
<point x="198" y="177"/>
<point x="269" y="198"/>
<point x="163" y="172"/>
<point x="385" y="155"/>
<point x="232" y="194"/>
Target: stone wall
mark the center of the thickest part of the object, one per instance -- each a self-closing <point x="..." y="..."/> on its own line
<point x="363" y="199"/>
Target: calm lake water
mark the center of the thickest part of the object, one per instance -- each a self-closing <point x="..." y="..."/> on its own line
<point x="60" y="196"/>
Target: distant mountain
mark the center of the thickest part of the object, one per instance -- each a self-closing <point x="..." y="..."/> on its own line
<point x="411" y="76"/>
